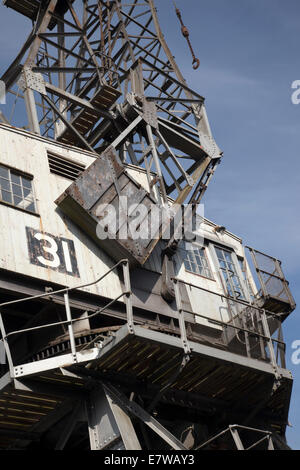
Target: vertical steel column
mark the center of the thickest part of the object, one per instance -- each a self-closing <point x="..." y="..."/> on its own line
<point x="270" y="443"/>
<point x="6" y="346"/>
<point x="70" y="326"/>
<point x="28" y="93"/>
<point x="157" y="164"/>
<point x="33" y="120"/>
<point x="124" y="423"/>
<point x="270" y="343"/>
<point x="110" y="426"/>
<point x="103" y="429"/>
<point x="182" y="326"/>
<point x="281" y="347"/>
<point x="261" y="332"/>
<point x="61" y="75"/>
<point x="236" y="438"/>
<point x="128" y="295"/>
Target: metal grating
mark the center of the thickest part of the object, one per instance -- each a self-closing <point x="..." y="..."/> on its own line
<point x="275" y="289"/>
<point x="28" y="8"/>
<point x="63" y="167"/>
<point x="21" y="411"/>
<point x="154" y="363"/>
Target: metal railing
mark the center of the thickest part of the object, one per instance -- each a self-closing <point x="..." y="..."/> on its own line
<point x="273" y="284"/>
<point x="69" y="322"/>
<point x="247" y="333"/>
<point x="233" y="430"/>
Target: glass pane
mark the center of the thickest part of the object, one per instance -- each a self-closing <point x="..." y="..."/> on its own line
<point x="29" y="206"/>
<point x="227" y="256"/>
<point x="18" y="201"/>
<point x="3" y="172"/>
<point x="4" y="184"/>
<point x="27" y="193"/>
<point x="15" y="178"/>
<point x="187" y="265"/>
<point x="26" y="182"/>
<point x="29" y="198"/>
<point x="229" y="289"/>
<point x="223" y="264"/>
<point x="6" y="196"/>
<point x="230" y="267"/>
<point x="17" y="190"/>
<point x="194" y="269"/>
<point x="198" y="261"/>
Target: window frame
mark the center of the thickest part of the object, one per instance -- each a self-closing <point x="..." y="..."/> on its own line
<point x="246" y="279"/>
<point x="238" y="274"/>
<point x="17" y="172"/>
<point x="183" y="250"/>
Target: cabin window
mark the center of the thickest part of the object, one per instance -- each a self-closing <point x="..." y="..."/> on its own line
<point x="230" y="275"/>
<point x="195" y="260"/>
<point x="16" y="189"/>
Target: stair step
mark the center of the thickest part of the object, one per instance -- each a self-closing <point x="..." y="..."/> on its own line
<point x="30" y="8"/>
<point x="86" y="119"/>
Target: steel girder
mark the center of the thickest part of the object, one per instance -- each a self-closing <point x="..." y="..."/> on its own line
<point x="83" y="72"/>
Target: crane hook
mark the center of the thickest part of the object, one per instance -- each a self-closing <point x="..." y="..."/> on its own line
<point x="186" y="34"/>
<point x="196" y="63"/>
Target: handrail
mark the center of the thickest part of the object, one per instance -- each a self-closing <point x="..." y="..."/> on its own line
<point x="263" y="319"/>
<point x="263" y="335"/>
<point x="66" y="289"/>
<point x="224" y="296"/>
<point x="65" y="322"/>
<point x="70" y="321"/>
<point x="249" y="305"/>
<point x="235" y="427"/>
<point x="222" y="323"/>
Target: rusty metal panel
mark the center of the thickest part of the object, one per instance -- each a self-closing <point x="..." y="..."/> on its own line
<point x="105" y="182"/>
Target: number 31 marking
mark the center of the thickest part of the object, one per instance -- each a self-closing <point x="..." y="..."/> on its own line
<point x="52" y="252"/>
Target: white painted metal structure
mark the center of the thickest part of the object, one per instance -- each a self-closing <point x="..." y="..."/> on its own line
<point x="124" y="344"/>
<point x="45" y="247"/>
<point x="28" y="154"/>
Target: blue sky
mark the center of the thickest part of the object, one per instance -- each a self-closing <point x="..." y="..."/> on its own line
<point x="249" y="53"/>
